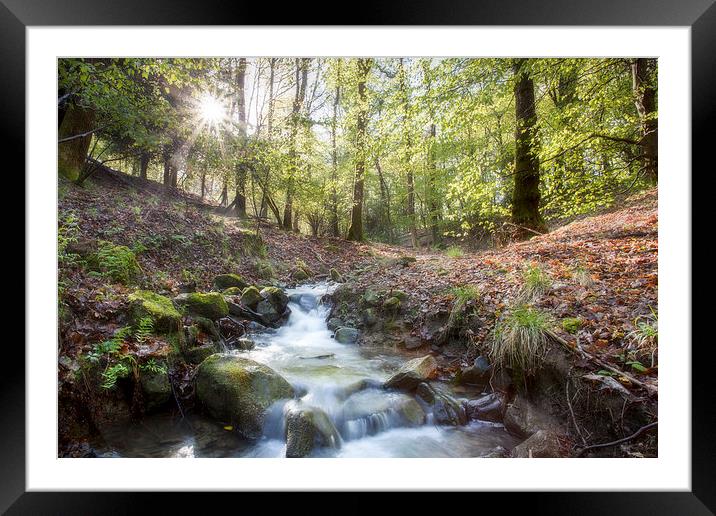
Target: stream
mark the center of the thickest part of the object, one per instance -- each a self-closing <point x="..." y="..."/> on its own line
<point x="325" y="372"/>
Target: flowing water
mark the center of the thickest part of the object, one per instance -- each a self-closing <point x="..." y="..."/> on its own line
<point x="341" y="379"/>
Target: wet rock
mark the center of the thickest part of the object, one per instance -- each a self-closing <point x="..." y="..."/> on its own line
<point x="376" y="411"/>
<point x="245" y="344"/>
<point x="144" y="303"/>
<point x="412" y="373"/>
<point x="498" y="452"/>
<point x="189" y="286"/>
<point x="335" y="276"/>
<point x="238" y="391"/>
<point x="446" y="409"/>
<point x="197" y="354"/>
<point x="210" y="305"/>
<point x="524" y="418"/>
<point x="360" y="385"/>
<point x="541" y="444"/>
<point x="477" y="374"/>
<point x="306" y="428"/>
<point x="346" y="335"/>
<point x="254" y="326"/>
<point x="274" y="304"/>
<point x="232" y="291"/>
<point x="224" y="281"/>
<point x="487" y="408"/>
<point x="250" y="297"/>
<point x="334" y="323"/>
<point x="156" y="389"/>
<point x="207" y="326"/>
<point x="231" y="328"/>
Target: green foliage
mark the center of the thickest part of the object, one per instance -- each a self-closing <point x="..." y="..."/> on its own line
<point x="582" y="276"/>
<point x="465" y="293"/>
<point x="646" y="332"/>
<point x="153" y="367"/>
<point x="520" y="339"/>
<point x="253" y="245"/>
<point x="144" y="328"/>
<point x="67" y="233"/>
<point x="117" y="262"/>
<point x="454" y="251"/>
<point x="571" y="324"/>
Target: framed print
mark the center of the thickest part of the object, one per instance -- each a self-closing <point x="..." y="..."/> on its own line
<point x="419" y="253"/>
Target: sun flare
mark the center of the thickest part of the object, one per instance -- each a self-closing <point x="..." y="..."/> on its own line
<point x="211" y="109"/>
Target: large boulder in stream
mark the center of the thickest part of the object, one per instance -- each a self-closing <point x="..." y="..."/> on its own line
<point x="273" y="305"/>
<point x="347" y="335"/>
<point x="210" y="305"/>
<point x="250" y="297"/>
<point x="412" y="373"/>
<point x="306" y="428"/>
<point x="446" y="409"/>
<point x="238" y="391"/>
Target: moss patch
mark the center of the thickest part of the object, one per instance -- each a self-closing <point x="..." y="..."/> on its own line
<point x="117" y="262"/>
<point x="210" y="305"/>
<point x="571" y="324"/>
<point x="224" y="281"/>
<point x="150" y="304"/>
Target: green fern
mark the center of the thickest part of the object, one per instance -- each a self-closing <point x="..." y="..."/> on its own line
<point x="144" y="329"/>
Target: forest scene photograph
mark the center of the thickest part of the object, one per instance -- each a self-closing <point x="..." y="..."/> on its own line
<point x="348" y="257"/>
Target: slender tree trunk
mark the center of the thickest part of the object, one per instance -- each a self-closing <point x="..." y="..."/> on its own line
<point x="385" y="200"/>
<point x="240" y="198"/>
<point x="203" y="184"/>
<point x="301" y="80"/>
<point x="73" y="153"/>
<point x="410" y="179"/>
<point x="355" y="232"/>
<point x="144" y="164"/>
<point x="334" y="155"/>
<point x="526" y="194"/>
<point x="433" y="202"/>
<point x="645" y="101"/>
<point x="224" y="193"/>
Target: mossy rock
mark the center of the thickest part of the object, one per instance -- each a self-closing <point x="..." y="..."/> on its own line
<point x="156" y="389"/>
<point x="232" y="291"/>
<point x="117" y="262"/>
<point x="238" y="391"/>
<point x="300" y="275"/>
<point x="391" y="305"/>
<point x="371" y="298"/>
<point x="571" y="324"/>
<point x="211" y="304"/>
<point x="251" y="297"/>
<point x="198" y="354"/>
<point x="265" y="270"/>
<point x="306" y="428"/>
<point x="402" y="296"/>
<point x="276" y="296"/>
<point x="335" y="275"/>
<point x="144" y="303"/>
<point x="224" y="281"/>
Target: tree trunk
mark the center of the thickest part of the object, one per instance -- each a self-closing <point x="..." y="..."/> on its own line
<point x="144" y="164"/>
<point x="301" y="80"/>
<point x="240" y="199"/>
<point x="407" y="166"/>
<point x="73" y="153"/>
<point x="385" y="200"/>
<point x="645" y="101"/>
<point x="433" y="202"/>
<point x="526" y="194"/>
<point x="203" y="184"/>
<point x="334" y="155"/>
<point x="355" y="232"/>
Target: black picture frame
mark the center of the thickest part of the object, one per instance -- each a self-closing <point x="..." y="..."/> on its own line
<point x="700" y="15"/>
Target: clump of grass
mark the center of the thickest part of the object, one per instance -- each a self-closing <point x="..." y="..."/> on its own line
<point x="536" y="282"/>
<point x="454" y="251"/>
<point x="582" y="276"/>
<point x="253" y="245"/>
<point x="520" y="339"/>
<point x="645" y="335"/>
<point x="465" y="293"/>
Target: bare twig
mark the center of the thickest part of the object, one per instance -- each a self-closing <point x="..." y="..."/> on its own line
<point x="579" y="351"/>
<point x="619" y="441"/>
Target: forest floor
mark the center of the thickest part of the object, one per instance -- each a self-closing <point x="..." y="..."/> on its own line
<point x="599" y="273"/>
